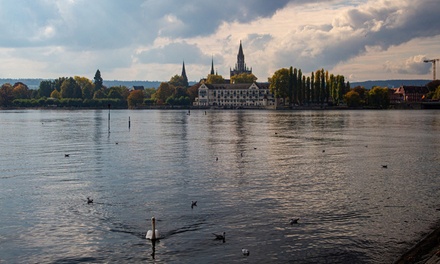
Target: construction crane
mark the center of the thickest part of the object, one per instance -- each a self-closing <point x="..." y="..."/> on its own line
<point x="433" y="61"/>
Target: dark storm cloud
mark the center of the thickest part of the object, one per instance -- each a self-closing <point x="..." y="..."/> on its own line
<point x="110" y="24"/>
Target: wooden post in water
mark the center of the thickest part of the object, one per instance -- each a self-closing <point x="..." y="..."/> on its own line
<point x="129" y="123"/>
<point x="109" y="118"/>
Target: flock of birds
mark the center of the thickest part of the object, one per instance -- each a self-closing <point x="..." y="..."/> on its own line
<point x="154" y="235"/>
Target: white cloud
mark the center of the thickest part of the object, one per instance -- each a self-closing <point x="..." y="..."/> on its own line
<point x="364" y="39"/>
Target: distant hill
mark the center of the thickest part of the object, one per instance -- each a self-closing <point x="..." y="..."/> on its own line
<point x="389" y="83"/>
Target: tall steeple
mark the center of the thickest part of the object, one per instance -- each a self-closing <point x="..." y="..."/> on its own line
<point x="185" y="78"/>
<point x="240" y="59"/>
<point x="212" y="66"/>
<point x="240" y="66"/>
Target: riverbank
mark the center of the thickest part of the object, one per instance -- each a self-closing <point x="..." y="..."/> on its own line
<point x="426" y="251"/>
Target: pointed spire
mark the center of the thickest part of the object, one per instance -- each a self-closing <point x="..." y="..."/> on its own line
<point x="183" y="70"/>
<point x="240" y="50"/>
<point x="212" y="65"/>
<point x="185" y="78"/>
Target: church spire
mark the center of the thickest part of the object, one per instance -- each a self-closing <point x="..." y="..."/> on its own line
<point x="240" y="66"/>
<point x="212" y="66"/>
<point x="185" y="78"/>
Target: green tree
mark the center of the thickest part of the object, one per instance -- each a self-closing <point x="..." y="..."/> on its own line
<point x="437" y="93"/>
<point x="378" y="97"/>
<point x="97" y="80"/>
<point x="307" y="90"/>
<point x="99" y="94"/>
<point x="135" y="98"/>
<point x="244" y="78"/>
<point x="148" y="92"/>
<point x="214" y="79"/>
<point x="293" y="77"/>
<point x="58" y="82"/>
<point x="279" y="83"/>
<point x="118" y="92"/>
<point x="45" y="89"/>
<point x="70" y="89"/>
<point x="6" y="95"/>
<point x="340" y="86"/>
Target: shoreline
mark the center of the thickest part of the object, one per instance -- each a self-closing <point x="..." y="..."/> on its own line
<point x="425" y="251"/>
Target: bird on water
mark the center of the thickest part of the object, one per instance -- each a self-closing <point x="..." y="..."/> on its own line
<point x="294" y="221"/>
<point x="89" y="201"/>
<point x="152" y="234"/>
<point x="220" y="237"/>
<point x="245" y="252"/>
<point x="193" y="203"/>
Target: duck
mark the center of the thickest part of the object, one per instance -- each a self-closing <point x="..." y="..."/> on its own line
<point x="66" y="155"/>
<point x="152" y="234"/>
<point x="193" y="203"/>
<point x="294" y="221"/>
<point x="89" y="201"/>
<point x="220" y="237"/>
<point x="245" y="252"/>
<point x="384" y="166"/>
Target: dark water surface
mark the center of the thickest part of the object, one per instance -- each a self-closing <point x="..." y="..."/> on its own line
<point x="323" y="167"/>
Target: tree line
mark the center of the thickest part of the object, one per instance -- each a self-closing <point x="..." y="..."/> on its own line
<point x="323" y="88"/>
<point x="290" y="85"/>
<point x="82" y="92"/>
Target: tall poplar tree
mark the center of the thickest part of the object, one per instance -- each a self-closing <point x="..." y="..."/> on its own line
<point x="97" y="80"/>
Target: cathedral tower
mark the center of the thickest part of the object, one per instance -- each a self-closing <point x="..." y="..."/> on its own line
<point x="240" y="66"/>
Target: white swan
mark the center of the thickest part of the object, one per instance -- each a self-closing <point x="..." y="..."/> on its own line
<point x="152" y="235"/>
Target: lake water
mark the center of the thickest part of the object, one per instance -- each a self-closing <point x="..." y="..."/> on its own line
<point x="249" y="171"/>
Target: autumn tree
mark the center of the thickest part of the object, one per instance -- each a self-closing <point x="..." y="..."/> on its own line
<point x="21" y="91"/>
<point x="6" y="95"/>
<point x="178" y="81"/>
<point x="193" y="91"/>
<point x="164" y="91"/>
<point x="55" y="94"/>
<point x="215" y="79"/>
<point x="244" y="78"/>
<point x="70" y="89"/>
<point x="86" y="86"/>
<point x="352" y="99"/>
<point x="135" y="98"/>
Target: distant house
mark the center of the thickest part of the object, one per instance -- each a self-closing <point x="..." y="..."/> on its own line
<point x="141" y="88"/>
<point x="409" y="94"/>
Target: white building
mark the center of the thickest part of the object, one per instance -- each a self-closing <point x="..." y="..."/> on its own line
<point x="250" y="95"/>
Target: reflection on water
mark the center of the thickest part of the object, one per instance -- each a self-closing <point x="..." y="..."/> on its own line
<point x="250" y="171"/>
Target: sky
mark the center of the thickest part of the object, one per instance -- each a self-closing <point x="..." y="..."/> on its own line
<point x="150" y="39"/>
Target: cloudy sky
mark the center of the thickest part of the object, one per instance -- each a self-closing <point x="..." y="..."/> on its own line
<point x="149" y="39"/>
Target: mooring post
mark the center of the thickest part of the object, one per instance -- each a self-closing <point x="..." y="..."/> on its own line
<point x="109" y="118"/>
<point x="129" y="123"/>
